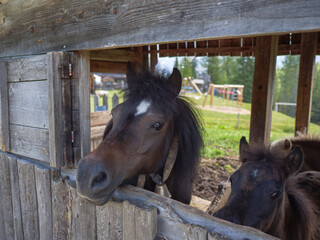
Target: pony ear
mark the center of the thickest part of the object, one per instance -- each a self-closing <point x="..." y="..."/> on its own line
<point x="176" y="80"/>
<point x="244" y="145"/>
<point x="282" y="144"/>
<point x="294" y="159"/>
<point x="130" y="74"/>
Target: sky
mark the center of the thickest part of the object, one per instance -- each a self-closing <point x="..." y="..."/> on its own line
<point x="168" y="62"/>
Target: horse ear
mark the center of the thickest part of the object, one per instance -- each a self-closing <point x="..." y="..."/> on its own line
<point x="243" y="146"/>
<point x="282" y="144"/>
<point x="130" y="74"/>
<point x="176" y="80"/>
<point x="295" y="159"/>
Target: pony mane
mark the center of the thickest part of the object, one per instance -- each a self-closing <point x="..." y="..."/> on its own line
<point x="303" y="208"/>
<point x="302" y="137"/>
<point x="187" y="119"/>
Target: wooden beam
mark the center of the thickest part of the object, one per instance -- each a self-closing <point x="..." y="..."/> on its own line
<point x="84" y="101"/>
<point x="114" y="55"/>
<point x="309" y="42"/>
<point x="153" y="57"/>
<point x="107" y="67"/>
<point x="262" y="89"/>
<point x="4" y="108"/>
<point x="51" y="25"/>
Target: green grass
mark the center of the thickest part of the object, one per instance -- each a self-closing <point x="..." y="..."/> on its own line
<point x="222" y="135"/>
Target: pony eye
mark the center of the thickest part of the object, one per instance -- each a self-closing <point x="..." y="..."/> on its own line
<point x="275" y="194"/>
<point x="157" y="126"/>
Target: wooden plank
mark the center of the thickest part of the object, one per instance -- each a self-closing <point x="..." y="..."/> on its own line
<point x="176" y="219"/>
<point x="262" y="90"/>
<point x="213" y="44"/>
<point x="27" y="69"/>
<point x="201" y="44"/>
<point x="30" y="142"/>
<point x="100" y="118"/>
<point x="309" y="43"/>
<point x="83" y="218"/>
<point x="55" y="61"/>
<point x="16" y="205"/>
<point x="138" y="222"/>
<point x="145" y="223"/>
<point x="2" y="222"/>
<point x="29" y="104"/>
<point x="109" y="221"/>
<point x="82" y="73"/>
<point x="28" y="200"/>
<point x="4" y="112"/>
<point x="123" y="55"/>
<point x="61" y="207"/>
<point x="153" y="57"/>
<point x="5" y="192"/>
<point x="92" y="25"/>
<point x="163" y="47"/>
<point x="107" y="67"/>
<point x="43" y="188"/>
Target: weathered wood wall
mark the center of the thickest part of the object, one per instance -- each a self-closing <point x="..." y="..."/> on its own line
<point x="36" y="203"/>
<point x="28" y="112"/>
<point x="30" y="27"/>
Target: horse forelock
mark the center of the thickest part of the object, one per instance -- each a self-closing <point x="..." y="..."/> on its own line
<point x="303" y="210"/>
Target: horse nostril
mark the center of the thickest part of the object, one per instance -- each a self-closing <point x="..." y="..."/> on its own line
<point x="99" y="179"/>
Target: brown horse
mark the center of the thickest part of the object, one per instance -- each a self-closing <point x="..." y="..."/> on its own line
<point x="267" y="193"/>
<point x="141" y="138"/>
<point x="310" y="146"/>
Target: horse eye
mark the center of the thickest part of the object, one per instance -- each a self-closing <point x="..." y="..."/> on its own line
<point x="157" y="126"/>
<point x="275" y="194"/>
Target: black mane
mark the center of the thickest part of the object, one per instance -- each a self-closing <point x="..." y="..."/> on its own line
<point x="187" y="123"/>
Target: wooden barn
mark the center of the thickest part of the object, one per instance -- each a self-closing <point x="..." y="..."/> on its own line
<point x="48" y="49"/>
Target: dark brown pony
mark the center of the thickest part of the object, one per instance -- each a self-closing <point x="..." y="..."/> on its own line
<point x="311" y="149"/>
<point x="269" y="194"/>
<point x="139" y="137"/>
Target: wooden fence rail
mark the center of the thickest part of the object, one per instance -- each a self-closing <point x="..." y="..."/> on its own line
<point x="39" y="202"/>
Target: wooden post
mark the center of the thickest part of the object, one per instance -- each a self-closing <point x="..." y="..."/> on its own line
<point x="262" y="90"/>
<point x="5" y="192"/>
<point x="96" y="101"/>
<point x="153" y="57"/>
<point x="115" y="100"/>
<point x="4" y="112"/>
<point x="309" y="42"/>
<point x="105" y="100"/>
<point x="212" y="95"/>
<point x="28" y="200"/>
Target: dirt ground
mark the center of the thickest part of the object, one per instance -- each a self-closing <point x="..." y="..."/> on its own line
<point x="211" y="173"/>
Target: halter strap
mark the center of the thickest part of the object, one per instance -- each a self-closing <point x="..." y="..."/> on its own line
<point x="171" y="159"/>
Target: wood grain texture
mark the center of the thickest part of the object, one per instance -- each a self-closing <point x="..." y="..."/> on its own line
<point x="262" y="89"/>
<point x="27" y="69"/>
<point x="29" y="104"/>
<point x="139" y="222"/>
<point x="82" y="73"/>
<point x="100" y="118"/>
<point x="61" y="207"/>
<point x="83" y="218"/>
<point x="109" y="221"/>
<point x="4" y="106"/>
<point x="114" y="55"/>
<point x="174" y="218"/>
<point x="29" y="28"/>
<point x="16" y="205"/>
<point x="28" y="200"/>
<point x="30" y="142"/>
<point x="5" y="191"/>
<point x="107" y="67"/>
<point x="43" y="187"/>
<point x="309" y="43"/>
<point x="55" y="61"/>
<point x="2" y="222"/>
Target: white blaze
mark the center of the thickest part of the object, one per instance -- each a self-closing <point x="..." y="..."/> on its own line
<point x="255" y="173"/>
<point x="142" y="107"/>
